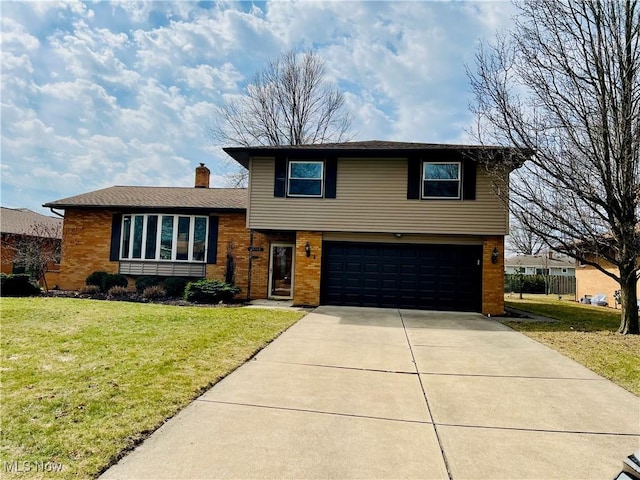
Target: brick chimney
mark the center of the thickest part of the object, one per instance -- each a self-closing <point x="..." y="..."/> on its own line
<point x="202" y="176"/>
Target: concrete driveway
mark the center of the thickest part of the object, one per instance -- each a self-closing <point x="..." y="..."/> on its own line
<point x="379" y="393"/>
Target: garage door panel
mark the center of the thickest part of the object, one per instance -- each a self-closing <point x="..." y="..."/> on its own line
<point x="438" y="277"/>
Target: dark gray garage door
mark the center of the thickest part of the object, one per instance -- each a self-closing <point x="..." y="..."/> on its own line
<point x="428" y="277"/>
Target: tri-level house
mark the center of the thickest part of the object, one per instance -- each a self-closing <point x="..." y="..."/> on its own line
<point x="381" y="224"/>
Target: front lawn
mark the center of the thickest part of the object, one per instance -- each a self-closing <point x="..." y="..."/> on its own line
<point x="584" y="333"/>
<point x="85" y="380"/>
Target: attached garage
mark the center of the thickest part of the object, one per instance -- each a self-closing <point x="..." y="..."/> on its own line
<point x="425" y="276"/>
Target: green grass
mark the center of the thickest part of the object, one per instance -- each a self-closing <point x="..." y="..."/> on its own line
<point x="84" y="381"/>
<point x="585" y="333"/>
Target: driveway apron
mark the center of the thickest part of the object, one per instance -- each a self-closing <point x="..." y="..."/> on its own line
<point x="383" y="393"/>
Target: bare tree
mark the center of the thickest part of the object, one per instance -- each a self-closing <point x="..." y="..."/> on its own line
<point x="565" y="84"/>
<point x="290" y="102"/>
<point x="37" y="251"/>
<point x="522" y="240"/>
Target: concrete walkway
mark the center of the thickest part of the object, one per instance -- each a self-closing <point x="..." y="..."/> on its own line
<point x="373" y="393"/>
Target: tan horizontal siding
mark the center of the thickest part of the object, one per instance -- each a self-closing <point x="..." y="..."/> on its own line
<point x="404" y="239"/>
<point x="372" y="197"/>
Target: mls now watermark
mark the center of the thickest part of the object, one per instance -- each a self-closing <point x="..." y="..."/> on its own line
<point x="35" y="466"/>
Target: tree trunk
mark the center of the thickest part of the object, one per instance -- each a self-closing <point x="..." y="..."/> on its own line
<point x="629" y="299"/>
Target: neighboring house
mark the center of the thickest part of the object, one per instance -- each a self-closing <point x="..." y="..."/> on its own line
<point x="21" y="228"/>
<point x="382" y="224"/>
<point x="546" y="264"/>
<point x="590" y="281"/>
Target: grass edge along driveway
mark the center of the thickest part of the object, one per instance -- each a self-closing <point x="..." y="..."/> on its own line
<point x="84" y="381"/>
<point x="584" y="333"/>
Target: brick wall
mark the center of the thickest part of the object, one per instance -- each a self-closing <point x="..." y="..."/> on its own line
<point x="233" y="238"/>
<point x="591" y="281"/>
<point x="6" y="254"/>
<point x="86" y="241"/>
<point x="492" y="276"/>
<point x="307" y="269"/>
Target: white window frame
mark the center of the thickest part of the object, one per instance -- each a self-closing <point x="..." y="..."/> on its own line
<point x="289" y="178"/>
<point x="459" y="180"/>
<point x="174" y="240"/>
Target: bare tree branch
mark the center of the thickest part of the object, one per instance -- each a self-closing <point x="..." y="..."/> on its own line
<point x="565" y="83"/>
<point x="290" y="102"/>
<point x="38" y="250"/>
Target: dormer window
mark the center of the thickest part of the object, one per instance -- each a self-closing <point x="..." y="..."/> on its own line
<point x="305" y="179"/>
<point x="441" y="180"/>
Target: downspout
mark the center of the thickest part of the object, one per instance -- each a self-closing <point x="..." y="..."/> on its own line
<point x="56" y="213"/>
<point x="250" y="265"/>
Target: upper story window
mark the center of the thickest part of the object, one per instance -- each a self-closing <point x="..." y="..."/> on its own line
<point x="441" y="180"/>
<point x="164" y="237"/>
<point x="305" y="179"/>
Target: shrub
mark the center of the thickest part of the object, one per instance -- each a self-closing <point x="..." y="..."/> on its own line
<point x="528" y="283"/>
<point x="117" y="292"/>
<point x="174" y="286"/>
<point x="209" y="291"/>
<point x="105" y="281"/>
<point x="142" y="283"/>
<point x="90" y="290"/>
<point x="113" y="280"/>
<point x="154" y="292"/>
<point x="17" y="285"/>
<point x="96" y="278"/>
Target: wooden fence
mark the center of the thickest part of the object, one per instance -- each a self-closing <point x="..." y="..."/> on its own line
<point x="556" y="284"/>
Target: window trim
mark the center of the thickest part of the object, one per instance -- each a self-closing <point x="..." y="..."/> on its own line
<point x="158" y="240"/>
<point x="289" y="178"/>
<point x="458" y="180"/>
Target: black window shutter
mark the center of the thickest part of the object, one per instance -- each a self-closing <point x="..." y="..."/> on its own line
<point x="212" y="245"/>
<point x="116" y="227"/>
<point x="330" y="177"/>
<point x="414" y="178"/>
<point x="469" y="179"/>
<point x="280" y="177"/>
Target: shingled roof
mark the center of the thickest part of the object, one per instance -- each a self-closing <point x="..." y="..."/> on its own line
<point x="21" y="221"/>
<point x="537" y="261"/>
<point x="157" y="198"/>
<point x="381" y="148"/>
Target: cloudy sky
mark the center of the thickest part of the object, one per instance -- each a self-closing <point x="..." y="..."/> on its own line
<point x="122" y="93"/>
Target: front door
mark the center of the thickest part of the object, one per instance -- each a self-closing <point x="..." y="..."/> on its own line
<point x="281" y="270"/>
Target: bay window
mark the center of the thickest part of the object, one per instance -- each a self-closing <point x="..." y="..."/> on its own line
<point x="157" y="237"/>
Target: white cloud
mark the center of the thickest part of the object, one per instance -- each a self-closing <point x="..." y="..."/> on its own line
<point x="211" y="81"/>
<point x="15" y="36"/>
<point x="124" y="92"/>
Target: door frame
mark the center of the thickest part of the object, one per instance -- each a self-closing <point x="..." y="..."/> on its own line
<point x="272" y="246"/>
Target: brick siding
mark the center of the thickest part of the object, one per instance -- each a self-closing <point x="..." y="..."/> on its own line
<point x="86" y="241"/>
<point x="591" y="281"/>
<point x="307" y="269"/>
<point x="492" y="276"/>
